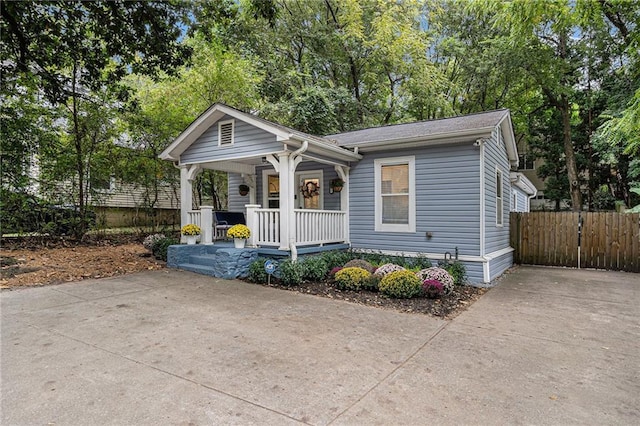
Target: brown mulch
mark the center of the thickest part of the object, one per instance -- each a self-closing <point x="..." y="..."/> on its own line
<point x="446" y="307"/>
<point x="41" y="266"/>
<point x="28" y="264"/>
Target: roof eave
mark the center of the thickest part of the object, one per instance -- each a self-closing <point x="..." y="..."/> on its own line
<point x="435" y="139"/>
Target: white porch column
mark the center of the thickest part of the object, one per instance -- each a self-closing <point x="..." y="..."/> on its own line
<point x="343" y="173"/>
<point x="206" y="224"/>
<point x="252" y="223"/>
<point x="186" y="195"/>
<point x="286" y="200"/>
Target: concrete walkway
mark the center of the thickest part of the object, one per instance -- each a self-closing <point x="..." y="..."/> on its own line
<point x="547" y="346"/>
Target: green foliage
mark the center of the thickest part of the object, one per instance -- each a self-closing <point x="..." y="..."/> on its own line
<point x="408" y="262"/>
<point x="314" y="268"/>
<point x="456" y="269"/>
<point x="257" y="273"/>
<point x="401" y="285"/>
<point x="352" y="278"/>
<point x="372" y="283"/>
<point x="161" y="246"/>
<point x="336" y="258"/>
<point x="360" y="263"/>
<point x="291" y="272"/>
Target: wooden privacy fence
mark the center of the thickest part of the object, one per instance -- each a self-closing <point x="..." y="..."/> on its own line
<point x="603" y="240"/>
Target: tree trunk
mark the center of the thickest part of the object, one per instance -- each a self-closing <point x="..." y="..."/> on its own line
<point x="570" y="155"/>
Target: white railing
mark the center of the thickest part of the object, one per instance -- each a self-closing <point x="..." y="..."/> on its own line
<point x="195" y="217"/>
<point x="320" y="226"/>
<point x="267" y="227"/>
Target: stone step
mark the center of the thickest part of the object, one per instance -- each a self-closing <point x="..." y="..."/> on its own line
<point x="202" y="259"/>
<point x="198" y="269"/>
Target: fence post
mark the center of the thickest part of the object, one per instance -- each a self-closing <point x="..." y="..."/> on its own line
<point x="252" y="223"/>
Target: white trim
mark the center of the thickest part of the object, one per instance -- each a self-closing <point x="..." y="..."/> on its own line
<point x="110" y="190"/>
<point x="430" y="256"/>
<point x="444" y="138"/>
<point x="486" y="272"/>
<point x="378" y="164"/>
<point x="265" y="186"/>
<point x="233" y="129"/>
<point x="482" y="198"/>
<point x="499" y="173"/>
<point x="498" y="253"/>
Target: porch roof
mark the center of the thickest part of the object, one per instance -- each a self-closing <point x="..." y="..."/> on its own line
<point x="318" y="145"/>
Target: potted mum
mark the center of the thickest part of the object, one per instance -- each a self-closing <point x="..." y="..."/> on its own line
<point x="239" y="233"/>
<point x="191" y="232"/>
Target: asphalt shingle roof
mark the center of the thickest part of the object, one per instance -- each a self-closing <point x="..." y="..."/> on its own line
<point x="421" y="128"/>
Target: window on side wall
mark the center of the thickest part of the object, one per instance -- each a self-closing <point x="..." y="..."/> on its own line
<point x="499" y="198"/>
<point x="395" y="202"/>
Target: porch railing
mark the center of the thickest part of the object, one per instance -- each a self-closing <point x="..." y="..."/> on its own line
<point x="267" y="231"/>
<point x="195" y="217"/>
<point x="320" y="226"/>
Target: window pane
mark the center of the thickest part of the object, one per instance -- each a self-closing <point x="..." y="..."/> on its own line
<point x="274" y="186"/>
<point x="499" y="183"/>
<point x="395" y="209"/>
<point x="395" y="179"/>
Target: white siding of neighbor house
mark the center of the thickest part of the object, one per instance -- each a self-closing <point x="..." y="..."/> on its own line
<point x="496" y="237"/>
<point x="447" y="202"/>
<point x="131" y="196"/>
<point x="248" y="140"/>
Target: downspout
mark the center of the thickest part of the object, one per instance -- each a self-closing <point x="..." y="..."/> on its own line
<point x="294" y="160"/>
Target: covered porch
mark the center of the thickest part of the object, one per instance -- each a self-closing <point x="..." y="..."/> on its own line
<point x="291" y="203"/>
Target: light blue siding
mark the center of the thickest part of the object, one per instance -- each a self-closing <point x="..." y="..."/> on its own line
<point x="496" y="237"/>
<point x="500" y="264"/>
<point x="447" y="202"/>
<point x="474" y="272"/>
<point x="521" y="200"/>
<point x="235" y="201"/>
<point x="248" y="141"/>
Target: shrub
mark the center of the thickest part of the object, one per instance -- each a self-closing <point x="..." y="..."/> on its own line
<point x="388" y="268"/>
<point x="335" y="258"/>
<point x="290" y="272"/>
<point x="457" y="270"/>
<point x="150" y="240"/>
<point x="160" y="247"/>
<point x="432" y="288"/>
<point x="351" y="278"/>
<point x="360" y="263"/>
<point x="372" y="283"/>
<point x="314" y="268"/>
<point x="401" y="285"/>
<point x="437" y="274"/>
<point x="377" y="258"/>
<point x="257" y="273"/>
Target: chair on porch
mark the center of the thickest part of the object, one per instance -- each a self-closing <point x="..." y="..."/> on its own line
<point x="224" y="220"/>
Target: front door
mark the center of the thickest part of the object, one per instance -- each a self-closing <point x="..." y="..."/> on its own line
<point x="309" y="190"/>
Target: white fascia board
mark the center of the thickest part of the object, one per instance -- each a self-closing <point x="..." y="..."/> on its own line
<point x="330" y="151"/>
<point x="430" y="140"/>
<point x="522" y="182"/>
<point x="230" y="167"/>
<point x="506" y="127"/>
<point x="430" y="256"/>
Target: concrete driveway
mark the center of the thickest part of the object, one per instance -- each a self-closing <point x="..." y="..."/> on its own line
<point x="546" y="346"/>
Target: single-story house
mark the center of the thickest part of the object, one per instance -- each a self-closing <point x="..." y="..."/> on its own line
<point x="431" y="188"/>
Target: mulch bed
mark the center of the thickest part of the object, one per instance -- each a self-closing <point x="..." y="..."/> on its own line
<point x="446" y="307"/>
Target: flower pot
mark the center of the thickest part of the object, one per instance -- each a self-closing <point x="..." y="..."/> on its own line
<point x="239" y="242"/>
<point x="337" y="188"/>
<point x="191" y="239"/>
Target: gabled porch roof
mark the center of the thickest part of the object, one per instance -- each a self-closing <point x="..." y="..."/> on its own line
<point x="324" y="149"/>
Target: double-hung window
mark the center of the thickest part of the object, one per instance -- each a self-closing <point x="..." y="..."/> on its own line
<point x="395" y="199"/>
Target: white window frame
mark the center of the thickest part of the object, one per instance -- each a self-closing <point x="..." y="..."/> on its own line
<point x="499" y="177"/>
<point x="233" y="131"/>
<point x="110" y="190"/>
<point x="394" y="227"/>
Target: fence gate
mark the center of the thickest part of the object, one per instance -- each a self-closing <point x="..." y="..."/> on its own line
<point x="603" y="240"/>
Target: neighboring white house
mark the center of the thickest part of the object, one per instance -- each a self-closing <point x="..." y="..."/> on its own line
<point x="425" y="188"/>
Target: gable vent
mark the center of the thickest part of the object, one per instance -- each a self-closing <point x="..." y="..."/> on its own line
<point x="225" y="133"/>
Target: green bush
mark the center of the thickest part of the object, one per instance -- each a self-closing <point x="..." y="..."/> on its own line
<point x="314" y="268"/>
<point x="360" y="263"/>
<point x="352" y="278"/>
<point x="372" y="283"/>
<point x="377" y="258"/>
<point x="401" y="285"/>
<point x="457" y="270"/>
<point x="160" y="247"/>
<point x="257" y="273"/>
<point x="335" y="258"/>
<point x="291" y="272"/>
